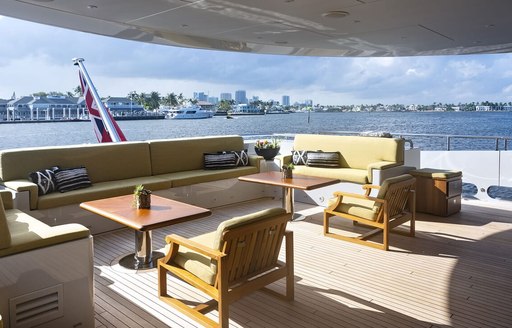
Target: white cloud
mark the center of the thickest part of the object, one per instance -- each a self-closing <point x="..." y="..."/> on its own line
<point x="38" y="58"/>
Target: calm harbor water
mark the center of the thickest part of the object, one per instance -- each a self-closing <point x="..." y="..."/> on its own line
<point x="431" y="123"/>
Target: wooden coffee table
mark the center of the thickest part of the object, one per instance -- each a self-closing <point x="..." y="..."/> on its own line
<point x="302" y="182"/>
<point x="163" y="212"/>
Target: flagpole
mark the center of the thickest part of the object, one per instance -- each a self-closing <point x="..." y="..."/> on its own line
<point x="105" y="117"/>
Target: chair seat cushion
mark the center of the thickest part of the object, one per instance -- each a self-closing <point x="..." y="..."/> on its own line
<point x="195" y="263"/>
<point x="355" y="206"/>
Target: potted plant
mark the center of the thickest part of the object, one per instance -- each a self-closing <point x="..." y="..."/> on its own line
<point x="267" y="148"/>
<point x="288" y="170"/>
<point x="141" y="197"/>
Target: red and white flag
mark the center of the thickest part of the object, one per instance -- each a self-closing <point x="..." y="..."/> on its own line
<point x="101" y="118"/>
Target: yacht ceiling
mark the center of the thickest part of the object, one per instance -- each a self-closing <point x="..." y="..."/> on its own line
<point x="289" y="27"/>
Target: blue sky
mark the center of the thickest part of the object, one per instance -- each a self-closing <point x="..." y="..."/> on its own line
<point x="38" y="58"/>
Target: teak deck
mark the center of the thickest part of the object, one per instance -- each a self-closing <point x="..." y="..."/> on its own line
<point x="456" y="272"/>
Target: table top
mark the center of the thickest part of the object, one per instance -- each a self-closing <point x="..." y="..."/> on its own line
<point x="163" y="212"/>
<point x="302" y="182"/>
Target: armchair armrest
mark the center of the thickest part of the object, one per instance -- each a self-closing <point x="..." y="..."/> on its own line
<point x="368" y="188"/>
<point x="25" y="185"/>
<point x="195" y="246"/>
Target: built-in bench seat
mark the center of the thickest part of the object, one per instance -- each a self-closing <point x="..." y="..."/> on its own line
<point x="43" y="263"/>
<point x="362" y="160"/>
<point x="114" y="169"/>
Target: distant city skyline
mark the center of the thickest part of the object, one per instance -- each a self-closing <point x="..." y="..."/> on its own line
<point x="39" y="59"/>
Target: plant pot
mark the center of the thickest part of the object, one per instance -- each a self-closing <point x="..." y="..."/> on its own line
<point x="267" y="153"/>
<point x="287" y="173"/>
<point x="143" y="200"/>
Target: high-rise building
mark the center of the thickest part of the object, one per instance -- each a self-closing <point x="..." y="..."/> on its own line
<point x="213" y="100"/>
<point x="240" y="97"/>
<point x="225" y="96"/>
<point x="286" y="101"/>
<point x="200" y="96"/>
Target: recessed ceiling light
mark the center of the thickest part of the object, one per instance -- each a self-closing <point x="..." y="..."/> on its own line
<point x="92" y="6"/>
<point x="281" y="42"/>
<point x="335" y="14"/>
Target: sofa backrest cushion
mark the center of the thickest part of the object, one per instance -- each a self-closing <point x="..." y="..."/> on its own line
<point x="356" y="152"/>
<point x="176" y="155"/>
<point x="104" y="162"/>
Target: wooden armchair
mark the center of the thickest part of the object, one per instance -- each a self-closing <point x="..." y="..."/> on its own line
<point x="240" y="257"/>
<point x="393" y="206"/>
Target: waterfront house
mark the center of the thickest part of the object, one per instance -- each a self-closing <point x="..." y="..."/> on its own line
<point x="30" y="108"/>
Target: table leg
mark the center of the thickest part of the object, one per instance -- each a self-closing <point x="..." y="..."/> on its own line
<point x="289" y="204"/>
<point x="144" y="257"/>
<point x="288" y="200"/>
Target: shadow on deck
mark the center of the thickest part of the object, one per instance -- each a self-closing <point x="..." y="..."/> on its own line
<point x="455" y="273"/>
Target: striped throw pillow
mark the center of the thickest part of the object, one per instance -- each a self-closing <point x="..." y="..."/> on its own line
<point x="221" y="160"/>
<point x="323" y="159"/>
<point x="72" y="179"/>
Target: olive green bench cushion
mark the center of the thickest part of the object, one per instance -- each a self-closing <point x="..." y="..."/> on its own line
<point x="179" y="155"/>
<point x="100" y="190"/>
<point x="436" y="173"/>
<point x="186" y="178"/>
<point x="20" y="232"/>
<point x="344" y="174"/>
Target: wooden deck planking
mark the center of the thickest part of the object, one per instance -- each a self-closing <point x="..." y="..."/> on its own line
<point x="456" y="272"/>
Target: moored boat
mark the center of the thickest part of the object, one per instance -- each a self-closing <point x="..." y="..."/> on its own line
<point x="190" y="112"/>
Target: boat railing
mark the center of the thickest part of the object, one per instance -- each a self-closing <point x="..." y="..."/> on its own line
<point x="448" y="142"/>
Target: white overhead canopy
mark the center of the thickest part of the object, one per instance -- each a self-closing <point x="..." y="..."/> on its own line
<point x="289" y="27"/>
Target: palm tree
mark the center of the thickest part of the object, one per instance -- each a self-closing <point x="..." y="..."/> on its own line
<point x="170" y="100"/>
<point x="154" y="100"/>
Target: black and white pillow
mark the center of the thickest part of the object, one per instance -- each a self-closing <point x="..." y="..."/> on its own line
<point x="45" y="180"/>
<point x="242" y="157"/>
<point x="323" y="159"/>
<point x="299" y="157"/>
<point x="220" y="160"/>
<point x="72" y="179"/>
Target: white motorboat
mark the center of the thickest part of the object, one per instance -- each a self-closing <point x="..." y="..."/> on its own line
<point x="190" y="112"/>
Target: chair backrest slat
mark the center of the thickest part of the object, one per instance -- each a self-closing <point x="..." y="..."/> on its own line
<point x="397" y="196"/>
<point x="253" y="247"/>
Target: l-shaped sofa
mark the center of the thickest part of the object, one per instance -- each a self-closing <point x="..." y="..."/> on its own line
<point x="167" y="167"/>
